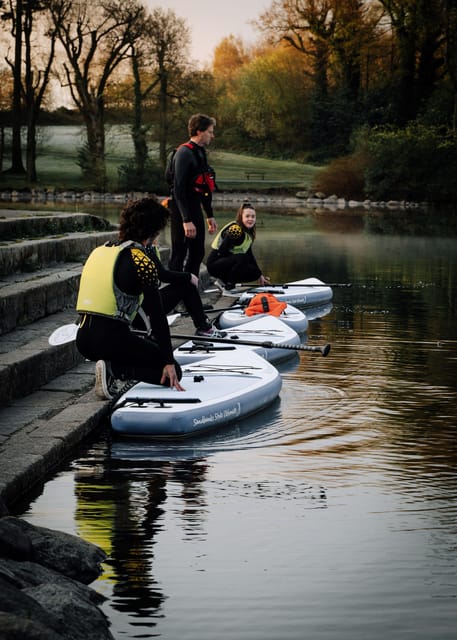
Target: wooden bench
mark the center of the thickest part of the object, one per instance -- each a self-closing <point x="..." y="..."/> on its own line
<point x="255" y="174"/>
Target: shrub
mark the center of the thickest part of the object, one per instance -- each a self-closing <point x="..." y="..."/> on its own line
<point x="151" y="178"/>
<point x="415" y="163"/>
<point x="92" y="168"/>
<point x="343" y="177"/>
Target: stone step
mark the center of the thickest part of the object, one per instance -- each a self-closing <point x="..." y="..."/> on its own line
<point x="16" y="225"/>
<point x="25" y="298"/>
<point x="41" y="430"/>
<point x="27" y="361"/>
<point x="33" y="255"/>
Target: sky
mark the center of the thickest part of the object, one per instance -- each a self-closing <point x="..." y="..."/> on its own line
<point x="211" y="20"/>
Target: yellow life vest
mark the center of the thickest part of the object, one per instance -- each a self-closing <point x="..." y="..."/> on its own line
<point x="98" y="293"/>
<point x="241" y="248"/>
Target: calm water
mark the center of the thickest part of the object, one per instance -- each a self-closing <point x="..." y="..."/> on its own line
<point x="333" y="514"/>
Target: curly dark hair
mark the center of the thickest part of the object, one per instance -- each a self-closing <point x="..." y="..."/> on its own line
<point x="142" y="219"/>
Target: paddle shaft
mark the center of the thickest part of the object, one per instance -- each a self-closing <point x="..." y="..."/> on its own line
<point x="286" y="285"/>
<point x="251" y="343"/>
<point x="186" y="314"/>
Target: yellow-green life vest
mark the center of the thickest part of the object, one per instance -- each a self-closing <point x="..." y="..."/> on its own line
<point x="98" y="293"/>
<point x="240" y="248"/>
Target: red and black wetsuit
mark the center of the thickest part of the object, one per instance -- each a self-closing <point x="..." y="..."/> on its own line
<point x="187" y="200"/>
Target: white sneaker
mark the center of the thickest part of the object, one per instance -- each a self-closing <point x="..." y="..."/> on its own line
<point x="103" y="380"/>
<point x="232" y="293"/>
<point x="219" y="284"/>
<point x="211" y="332"/>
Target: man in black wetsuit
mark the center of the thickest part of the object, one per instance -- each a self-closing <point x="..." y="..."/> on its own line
<point x="116" y="280"/>
<point x="192" y="183"/>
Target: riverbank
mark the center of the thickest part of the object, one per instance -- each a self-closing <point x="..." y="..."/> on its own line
<point x="301" y="199"/>
<point x="44" y="577"/>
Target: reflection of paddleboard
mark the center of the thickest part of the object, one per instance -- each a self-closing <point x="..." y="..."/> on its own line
<point x="313" y="313"/>
<point x="291" y="316"/>
<point x="219" y="389"/>
<point x="153" y="453"/>
<point x="296" y="292"/>
<point x="260" y="329"/>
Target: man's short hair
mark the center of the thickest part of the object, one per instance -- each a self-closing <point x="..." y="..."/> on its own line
<point x="199" y="122"/>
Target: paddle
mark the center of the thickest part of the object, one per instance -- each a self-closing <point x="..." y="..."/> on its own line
<point x="251" y="343"/>
<point x="67" y="332"/>
<point x="185" y="314"/>
<point x="286" y="285"/>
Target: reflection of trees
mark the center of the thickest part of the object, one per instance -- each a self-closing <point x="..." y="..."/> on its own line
<point x="120" y="507"/>
<point x="400" y="222"/>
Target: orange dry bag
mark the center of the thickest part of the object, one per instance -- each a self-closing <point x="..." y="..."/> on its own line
<point x="265" y="303"/>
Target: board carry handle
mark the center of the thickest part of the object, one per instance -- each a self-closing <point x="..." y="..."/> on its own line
<point x="161" y="401"/>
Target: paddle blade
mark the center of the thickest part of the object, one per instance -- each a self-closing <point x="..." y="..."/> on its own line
<point x="62" y="335"/>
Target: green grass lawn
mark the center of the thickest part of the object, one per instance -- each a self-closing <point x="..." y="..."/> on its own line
<point x="57" y="165"/>
<point x="231" y="169"/>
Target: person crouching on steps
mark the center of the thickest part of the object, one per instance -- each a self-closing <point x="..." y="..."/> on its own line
<point x="116" y="280"/>
<point x="231" y="259"/>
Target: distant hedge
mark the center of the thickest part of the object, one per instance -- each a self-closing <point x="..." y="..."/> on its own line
<point x="417" y="163"/>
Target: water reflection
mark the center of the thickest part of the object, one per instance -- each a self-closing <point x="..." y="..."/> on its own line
<point x="121" y="507"/>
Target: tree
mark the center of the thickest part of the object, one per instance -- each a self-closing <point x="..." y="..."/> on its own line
<point x="450" y="29"/>
<point x="229" y="57"/>
<point x="31" y="70"/>
<point x="158" y="61"/>
<point x="306" y="26"/>
<point x="167" y="42"/>
<point x="6" y="94"/>
<point x="14" y="13"/>
<point x="419" y="38"/>
<point x="96" y="38"/>
<point x="267" y="108"/>
<point x="332" y="35"/>
<point x="36" y="79"/>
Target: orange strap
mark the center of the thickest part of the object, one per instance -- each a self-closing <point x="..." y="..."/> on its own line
<point x="265" y="303"/>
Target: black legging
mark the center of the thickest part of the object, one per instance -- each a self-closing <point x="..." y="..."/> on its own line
<point x="233" y="268"/>
<point x="172" y="294"/>
<point x="131" y="356"/>
<point x="186" y="254"/>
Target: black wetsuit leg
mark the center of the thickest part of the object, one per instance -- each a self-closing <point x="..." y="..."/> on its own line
<point x="131" y="356"/>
